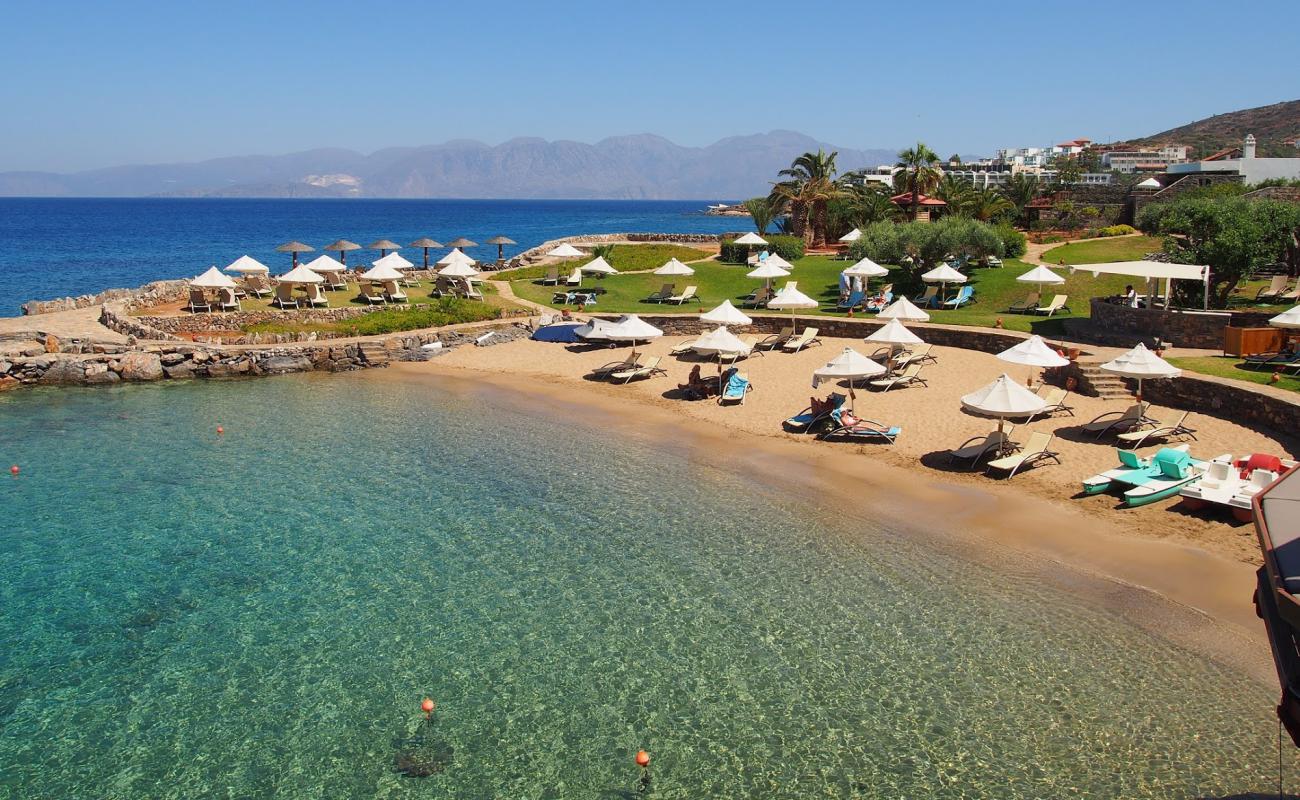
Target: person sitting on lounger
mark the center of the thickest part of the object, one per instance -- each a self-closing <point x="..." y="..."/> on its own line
<point x="816" y="415"/>
<point x="696" y="387"/>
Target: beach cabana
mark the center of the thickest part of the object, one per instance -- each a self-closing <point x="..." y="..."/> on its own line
<point x="384" y="246"/>
<point x="725" y="314"/>
<point x="1033" y="352"/>
<point x="398" y="263"/>
<point x="298" y="276"/>
<point x="382" y="270"/>
<point x="903" y="310"/>
<point x="1140" y="364"/>
<point x="793" y="299"/>
<point x="500" y="242"/>
<point x="458" y="269"/>
<point x="598" y="266"/>
<point x="1003" y="398"/>
<point x="849" y="365"/>
<point x="213" y="278"/>
<point x="294" y="248"/>
<point x="330" y="269"/>
<point x="247" y="265"/>
<point x="943" y="275"/>
<point x="565" y="250"/>
<point x="1154" y="271"/>
<point x="426" y="244"/>
<point x="674" y="267"/>
<point x="342" y="247"/>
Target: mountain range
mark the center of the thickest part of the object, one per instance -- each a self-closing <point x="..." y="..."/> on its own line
<point x="639" y="167"/>
<point x="1275" y="127"/>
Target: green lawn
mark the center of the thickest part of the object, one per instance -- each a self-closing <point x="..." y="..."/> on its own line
<point x="1231" y="367"/>
<point x="625" y="258"/>
<point x="818" y="276"/>
<point x="432" y="315"/>
<point x="1097" y="251"/>
<point x="344" y="298"/>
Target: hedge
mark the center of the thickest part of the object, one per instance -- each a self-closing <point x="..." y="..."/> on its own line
<point x="788" y="247"/>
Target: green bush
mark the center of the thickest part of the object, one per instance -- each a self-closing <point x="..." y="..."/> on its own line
<point x="1116" y="230"/>
<point x="788" y="247"/>
<point x="447" y="311"/>
<point x="1013" y="241"/>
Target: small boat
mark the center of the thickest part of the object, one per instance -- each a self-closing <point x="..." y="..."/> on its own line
<point x="1233" y="483"/>
<point x="1149" y="480"/>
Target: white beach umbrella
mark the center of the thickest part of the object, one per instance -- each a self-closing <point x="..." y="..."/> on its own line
<point x="674" y="267"/>
<point x="456" y="255"/>
<point x="300" y="274"/>
<point x="793" y="299"/>
<point x="718" y="340"/>
<point x="850" y="365"/>
<point x="394" y="260"/>
<point x="1140" y="363"/>
<point x="1033" y="352"/>
<point x="767" y="272"/>
<point x="866" y="268"/>
<point x="1003" y="398"/>
<point x="213" y="279"/>
<point x="725" y="314"/>
<point x="323" y="264"/>
<point x="383" y="271"/>
<point x="851" y="236"/>
<point x="776" y="261"/>
<point x="599" y="266"/>
<point x="943" y="275"/>
<point x="1287" y="319"/>
<point x="905" y="310"/>
<point x="751" y="238"/>
<point x="894" y="332"/>
<point x="1041" y="276"/>
<point x="458" y="269"/>
<point x="632" y="328"/>
<point x="247" y="265"/>
<point x="565" y="250"/>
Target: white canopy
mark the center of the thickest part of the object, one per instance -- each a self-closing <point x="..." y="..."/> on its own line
<point x="1003" y="398"/>
<point x="726" y="314"/>
<point x="791" y="298"/>
<point x="213" y="279"/>
<point x="848" y="364"/>
<point x="248" y="265"/>
<point x="674" y="267"/>
<point x="1287" y="319"/>
<point x="599" y="266"/>
<point x="894" y="332"/>
<point x="565" y="250"/>
<point x="851" y="236"/>
<point x="324" y="263"/>
<point x="767" y="270"/>
<point x="458" y="269"/>
<point x="1040" y="275"/>
<point x="632" y="328"/>
<point x="719" y="340"/>
<point x="1146" y="269"/>
<point x="393" y="260"/>
<point x="300" y="274"/>
<point x="943" y="274"/>
<point x="383" y="270"/>
<point x="594" y="329"/>
<point x="1141" y="363"/>
<point x="867" y="268"/>
<point x="1033" y="352"/>
<point x="903" y="309"/>
<point x="456" y="255"/>
<point x="751" y="238"/>
<point x="776" y="260"/>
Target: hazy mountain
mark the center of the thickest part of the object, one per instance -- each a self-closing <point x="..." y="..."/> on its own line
<point x="1273" y="125"/>
<point x="623" y="167"/>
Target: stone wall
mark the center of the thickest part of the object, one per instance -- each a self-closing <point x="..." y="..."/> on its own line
<point x="534" y="254"/>
<point x="1120" y="325"/>
<point x="1238" y="403"/>
<point x="151" y="294"/>
<point x="130" y="326"/>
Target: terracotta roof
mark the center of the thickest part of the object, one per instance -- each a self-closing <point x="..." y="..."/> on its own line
<point x="905" y="199"/>
<point x="1227" y="152"/>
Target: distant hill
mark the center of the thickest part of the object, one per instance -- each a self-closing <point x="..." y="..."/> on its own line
<point x="625" y="167"/>
<point x="1272" y="125"/>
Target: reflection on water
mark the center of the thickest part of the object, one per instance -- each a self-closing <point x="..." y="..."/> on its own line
<point x="259" y="613"/>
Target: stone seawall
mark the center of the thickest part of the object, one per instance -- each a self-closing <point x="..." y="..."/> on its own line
<point x="1277" y="416"/>
<point x="1120" y="325"/>
<point x="151" y="294"/>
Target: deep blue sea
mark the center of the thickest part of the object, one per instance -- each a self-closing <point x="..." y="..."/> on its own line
<point x="58" y="247"/>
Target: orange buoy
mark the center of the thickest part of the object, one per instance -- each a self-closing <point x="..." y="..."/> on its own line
<point x="14" y="469"/>
<point x="427" y="706"/>
<point x="220" y="429"/>
<point x="642" y="759"/>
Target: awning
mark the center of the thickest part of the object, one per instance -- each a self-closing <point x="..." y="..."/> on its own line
<point x="1147" y="269"/>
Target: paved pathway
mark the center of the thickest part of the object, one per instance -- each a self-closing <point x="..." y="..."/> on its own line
<point x="81" y="323"/>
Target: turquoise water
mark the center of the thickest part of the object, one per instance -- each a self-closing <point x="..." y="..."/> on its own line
<point x="258" y="614"/>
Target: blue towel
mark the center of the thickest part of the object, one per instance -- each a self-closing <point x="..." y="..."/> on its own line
<point x="736" y="386"/>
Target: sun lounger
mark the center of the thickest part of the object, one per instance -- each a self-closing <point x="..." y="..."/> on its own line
<point x="226" y="299"/>
<point x="696" y="387"/>
<point x="817" y="412"/>
<point x="930" y="297"/>
<point x="367" y="292"/>
<point x="315" y="297"/>
<point x="257" y="285"/>
<point x="908" y="377"/>
<point x="1159" y="430"/>
<point x="393" y="293"/>
<point x="687" y="294"/>
<point x="1055" y="401"/>
<point x="685" y="347"/>
<point x="965" y="295"/>
<point x="1116" y="421"/>
<point x="575" y="277"/>
<point x="1275" y="287"/>
<point x="606" y="370"/>
<point x="1274" y="360"/>
<point x="757" y="298"/>
<point x="734" y="388"/>
<point x="1026" y="305"/>
<point x="1057" y="304"/>
<point x="920" y="355"/>
<point x="978" y="447"/>
<point x="284" y="296"/>
<point x="469" y="292"/>
<point x="848" y="426"/>
<point x="650" y="369"/>
<point x="551" y="277"/>
<point x="198" y="301"/>
<point x="1035" y="450"/>
<point x="666" y="291"/>
<point x="1289" y="296"/>
<point x="806" y="338"/>
<point x="775" y="340"/>
<point x="852" y="301"/>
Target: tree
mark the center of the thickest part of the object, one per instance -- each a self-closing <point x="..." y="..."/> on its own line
<point x="925" y="244"/>
<point x="861" y="206"/>
<point x="955" y="192"/>
<point x="919" y="175"/>
<point x="763" y="211"/>
<point x="1068" y="171"/>
<point x="809" y="188"/>
<point x="988" y="204"/>
<point x="1021" y="190"/>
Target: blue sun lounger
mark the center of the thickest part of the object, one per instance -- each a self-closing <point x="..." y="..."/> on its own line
<point x="736" y="388"/>
<point x="853" y="301"/>
<point x="806" y="420"/>
<point x="848" y="426"/>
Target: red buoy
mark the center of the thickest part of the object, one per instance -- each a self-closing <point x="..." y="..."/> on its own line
<point x="642" y="759"/>
<point x="14" y="469"/>
<point x="427" y="706"/>
<point x="220" y="429"/>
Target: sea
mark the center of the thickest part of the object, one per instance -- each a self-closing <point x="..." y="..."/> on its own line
<point x="59" y="247"/>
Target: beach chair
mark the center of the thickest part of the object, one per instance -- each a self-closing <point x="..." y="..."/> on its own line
<point x="852" y="301"/>
<point x="683" y="347"/>
<point x="315" y="297"/>
<point x="1275" y="287"/>
<point x="732" y="356"/>
<point x="1274" y="360"/>
<point x="227" y="300"/>
<point x="965" y="295"/>
<point x="687" y="294"/>
<point x="1025" y="306"/>
<point x="606" y="370"/>
<point x="198" y="301"/>
<point x="575" y="277"/>
<point x="393" y="293"/>
<point x="551" y="277"/>
<point x="666" y="291"/>
<point x="929" y="298"/>
<point x="696" y="387"/>
<point x="1116" y="421"/>
<point x="1159" y="430"/>
<point x="1057" y="304"/>
<point x="816" y="414"/>
<point x="775" y="340"/>
<point x="978" y="447"/>
<point x="880" y="301"/>
<point x="1289" y="296"/>
<point x="336" y="281"/>
<point x="1055" y="401"/>
<point x="920" y="355"/>
<point x="469" y="292"/>
<point x="734" y="388"/>
<point x="366" y="291"/>
<point x="1034" y="451"/>
<point x="284" y="296"/>
<point x="757" y="298"/>
<point x="848" y="426"/>
<point x="807" y="338"/>
<point x="650" y="369"/>
<point x="257" y="285"/>
<point x="908" y="377"/>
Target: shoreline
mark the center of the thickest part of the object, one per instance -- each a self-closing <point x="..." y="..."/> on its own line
<point x="1188" y="596"/>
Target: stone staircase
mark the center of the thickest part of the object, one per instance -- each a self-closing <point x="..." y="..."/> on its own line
<point x="374" y="353"/>
<point x="1093" y="380"/>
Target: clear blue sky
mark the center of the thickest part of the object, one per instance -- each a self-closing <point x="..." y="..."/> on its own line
<point x="96" y="84"/>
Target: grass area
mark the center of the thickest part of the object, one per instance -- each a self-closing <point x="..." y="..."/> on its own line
<point x="625" y="258"/>
<point x="1097" y="251"/>
<point x="1233" y="368"/>
<point x="346" y="298"/>
<point x="818" y="277"/>
<point x="446" y="311"/>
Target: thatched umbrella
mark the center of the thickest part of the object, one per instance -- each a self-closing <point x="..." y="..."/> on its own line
<point x="383" y="246"/>
<point x="295" y="248"/>
<point x="500" y="242"/>
<point x="342" y="246"/>
<point x="425" y="244"/>
<point x="462" y="242"/>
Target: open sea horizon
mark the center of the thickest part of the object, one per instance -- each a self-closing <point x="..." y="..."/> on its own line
<point x="60" y="247"/>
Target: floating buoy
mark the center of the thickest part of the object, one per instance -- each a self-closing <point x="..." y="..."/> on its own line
<point x="220" y="429"/>
<point x="427" y="706"/>
<point x="642" y="759"/>
<point x="13" y="470"/>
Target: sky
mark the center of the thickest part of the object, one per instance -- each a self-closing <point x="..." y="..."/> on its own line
<point x="94" y="84"/>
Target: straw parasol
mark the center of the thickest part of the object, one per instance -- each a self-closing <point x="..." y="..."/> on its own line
<point x="866" y="268"/>
<point x="851" y="236"/>
<point x="904" y="310"/>
<point x="943" y="275"/>
<point x="632" y="328"/>
<point x="1140" y="363"/>
<point x="500" y="242"/>
<point x="565" y="250"/>
<point x="294" y="248"/>
<point x="425" y="244"/>
<point x="1033" y="352"/>
<point x="725" y="314"/>
<point x="213" y="279"/>
<point x="462" y="242"/>
<point x="598" y="266"/>
<point x="674" y="267"/>
<point x="383" y="246"/>
<point x="342" y="246"/>
<point x="247" y="265"/>
<point x="793" y="299"/>
<point x="1003" y="398"/>
<point x="850" y="365"/>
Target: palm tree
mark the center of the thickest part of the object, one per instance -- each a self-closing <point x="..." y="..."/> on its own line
<point x="957" y="193"/>
<point x="919" y="174"/>
<point x="868" y="204"/>
<point x="1021" y="190"/>
<point x="986" y="204"/>
<point x="810" y="186"/>
<point x="762" y="210"/>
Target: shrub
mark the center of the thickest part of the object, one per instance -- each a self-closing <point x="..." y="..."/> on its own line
<point x="926" y="244"/>
<point x="446" y="311"/>
<point x="1116" y="230"/>
<point x="1013" y="241"/>
<point x="788" y="247"/>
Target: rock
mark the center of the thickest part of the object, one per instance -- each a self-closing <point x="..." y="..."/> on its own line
<point x="179" y="371"/>
<point x="281" y="364"/>
<point x="64" y="371"/>
<point x="221" y="369"/>
<point x="170" y="359"/>
<point x="140" y="367"/>
<point x="4" y="367"/>
<point x="100" y="374"/>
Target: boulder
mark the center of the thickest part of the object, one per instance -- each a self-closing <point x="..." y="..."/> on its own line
<point x="140" y="367"/>
<point x="179" y="371"/>
<point x="280" y="364"/>
<point x="170" y="359"/>
<point x="222" y="369"/>
<point x="64" y="371"/>
<point x="52" y="344"/>
<point x="8" y="382"/>
<point x="99" y="373"/>
<point x="4" y="367"/>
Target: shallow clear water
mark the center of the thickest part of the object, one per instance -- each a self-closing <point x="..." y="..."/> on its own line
<point x="258" y="614"/>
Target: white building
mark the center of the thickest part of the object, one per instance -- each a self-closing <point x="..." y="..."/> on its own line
<point x="1144" y="160"/>
<point x="1245" y="164"/>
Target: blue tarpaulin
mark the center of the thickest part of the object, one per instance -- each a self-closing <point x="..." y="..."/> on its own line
<point x="557" y="333"/>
